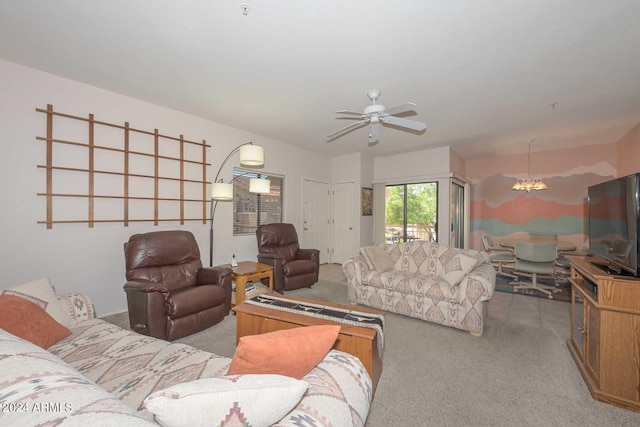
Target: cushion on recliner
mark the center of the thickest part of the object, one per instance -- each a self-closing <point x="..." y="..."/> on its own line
<point x="277" y="235"/>
<point x="172" y="276"/>
<point x="301" y="266"/>
<point x="170" y="257"/>
<point x="287" y="252"/>
<point x="161" y="248"/>
<point x="183" y="302"/>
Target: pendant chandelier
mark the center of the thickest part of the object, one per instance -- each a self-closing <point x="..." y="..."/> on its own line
<point x="528" y="184"/>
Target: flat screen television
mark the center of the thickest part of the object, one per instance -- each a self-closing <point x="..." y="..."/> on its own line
<point x="614" y="211"/>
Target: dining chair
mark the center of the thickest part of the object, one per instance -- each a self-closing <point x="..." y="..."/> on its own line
<point x="620" y="248"/>
<point x="498" y="255"/>
<point x="565" y="264"/>
<point x="536" y="258"/>
<point x="542" y="237"/>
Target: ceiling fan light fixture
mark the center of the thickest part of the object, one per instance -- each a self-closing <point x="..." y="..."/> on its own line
<point x="375" y="115"/>
<point x="377" y="108"/>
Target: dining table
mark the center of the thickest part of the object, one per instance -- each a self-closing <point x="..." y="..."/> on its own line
<point x="563" y="245"/>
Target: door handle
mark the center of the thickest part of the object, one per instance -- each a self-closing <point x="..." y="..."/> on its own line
<point x="350" y="228"/>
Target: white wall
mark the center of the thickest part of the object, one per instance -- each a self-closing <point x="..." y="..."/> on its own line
<point x="419" y="164"/>
<point x="91" y="260"/>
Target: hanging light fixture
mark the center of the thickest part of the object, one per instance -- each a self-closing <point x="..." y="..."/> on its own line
<point x="528" y="184"/>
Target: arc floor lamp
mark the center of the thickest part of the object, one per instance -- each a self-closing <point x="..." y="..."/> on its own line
<point x="250" y="155"/>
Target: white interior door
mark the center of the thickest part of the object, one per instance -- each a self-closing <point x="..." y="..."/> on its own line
<point x="315" y="217"/>
<point x="342" y="222"/>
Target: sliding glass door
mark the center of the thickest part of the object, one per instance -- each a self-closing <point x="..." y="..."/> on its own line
<point x="457" y="216"/>
<point x="411" y="212"/>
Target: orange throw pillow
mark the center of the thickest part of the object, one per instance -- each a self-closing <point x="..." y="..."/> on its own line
<point x="27" y="320"/>
<point x="291" y="352"/>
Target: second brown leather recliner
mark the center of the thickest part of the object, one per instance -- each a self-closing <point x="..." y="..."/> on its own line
<point x="169" y="294"/>
<point x="293" y="268"/>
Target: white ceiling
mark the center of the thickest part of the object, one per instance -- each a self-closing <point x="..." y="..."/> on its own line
<point x="486" y="75"/>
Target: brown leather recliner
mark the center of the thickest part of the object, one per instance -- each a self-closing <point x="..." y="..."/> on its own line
<point x="293" y="268"/>
<point x="169" y="294"/>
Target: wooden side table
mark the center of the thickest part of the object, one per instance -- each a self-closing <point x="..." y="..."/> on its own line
<point x="249" y="271"/>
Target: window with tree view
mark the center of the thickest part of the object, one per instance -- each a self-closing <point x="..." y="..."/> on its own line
<point x="411" y="212"/>
<point x="251" y="210"/>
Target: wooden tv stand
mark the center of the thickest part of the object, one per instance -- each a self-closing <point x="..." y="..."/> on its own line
<point x="605" y="332"/>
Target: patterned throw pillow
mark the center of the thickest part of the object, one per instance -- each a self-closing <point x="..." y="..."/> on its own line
<point x="236" y="400"/>
<point x="458" y="267"/>
<point x="377" y="258"/>
<point x="27" y="320"/>
<point x="41" y="292"/>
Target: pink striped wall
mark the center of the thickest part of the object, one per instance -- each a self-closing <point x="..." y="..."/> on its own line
<point x="503" y="213"/>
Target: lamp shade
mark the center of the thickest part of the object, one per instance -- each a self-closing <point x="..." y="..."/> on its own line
<point x="221" y="191"/>
<point x="261" y="186"/>
<point x="251" y="155"/>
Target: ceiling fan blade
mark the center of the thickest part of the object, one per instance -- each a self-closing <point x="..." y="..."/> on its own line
<point x="374" y="134"/>
<point x="402" y="108"/>
<point x="353" y="113"/>
<point x="405" y="123"/>
<point x="346" y="129"/>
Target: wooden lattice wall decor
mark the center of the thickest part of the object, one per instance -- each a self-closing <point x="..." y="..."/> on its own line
<point x="108" y="172"/>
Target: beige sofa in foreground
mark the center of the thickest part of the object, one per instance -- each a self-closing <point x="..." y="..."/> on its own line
<point x="102" y="374"/>
<point x="425" y="280"/>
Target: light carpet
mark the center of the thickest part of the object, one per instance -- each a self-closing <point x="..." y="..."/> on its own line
<point x="438" y="376"/>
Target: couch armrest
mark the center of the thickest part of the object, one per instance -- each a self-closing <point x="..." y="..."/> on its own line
<point x="355" y="269"/>
<point x="220" y="276"/>
<point x="269" y="258"/>
<point x="213" y="275"/>
<point x="144" y="286"/>
<point x="78" y="306"/>
<point x="277" y="262"/>
<point x="312" y="254"/>
<point x="317" y="407"/>
<point x="485" y="276"/>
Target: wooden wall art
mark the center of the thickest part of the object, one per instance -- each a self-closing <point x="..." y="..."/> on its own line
<point x="114" y="173"/>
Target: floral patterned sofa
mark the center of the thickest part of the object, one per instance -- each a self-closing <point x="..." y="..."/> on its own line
<point x="101" y="375"/>
<point x="425" y="280"/>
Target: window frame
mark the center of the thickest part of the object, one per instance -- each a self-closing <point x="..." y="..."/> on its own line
<point x="274" y="211"/>
<point x="404" y="236"/>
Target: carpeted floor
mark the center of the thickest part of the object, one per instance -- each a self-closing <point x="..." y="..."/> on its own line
<point x="514" y="375"/>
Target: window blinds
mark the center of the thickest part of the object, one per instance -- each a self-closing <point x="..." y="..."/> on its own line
<point x="251" y="210"/>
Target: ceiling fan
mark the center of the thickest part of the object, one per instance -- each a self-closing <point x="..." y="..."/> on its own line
<point x="375" y="115"/>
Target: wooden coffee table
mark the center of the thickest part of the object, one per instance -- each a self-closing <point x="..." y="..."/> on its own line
<point x="249" y="271"/>
<point x="359" y="341"/>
